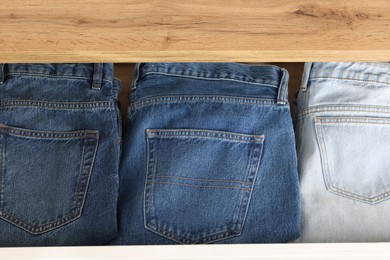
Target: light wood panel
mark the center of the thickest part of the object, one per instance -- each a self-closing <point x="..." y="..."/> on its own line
<point x="196" y="30"/>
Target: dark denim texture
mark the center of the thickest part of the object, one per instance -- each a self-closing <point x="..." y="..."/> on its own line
<point x="59" y="154"/>
<point x="209" y="156"/>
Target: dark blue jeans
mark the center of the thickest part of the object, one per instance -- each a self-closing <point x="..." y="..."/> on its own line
<point x="59" y="154"/>
<point x="209" y="156"/>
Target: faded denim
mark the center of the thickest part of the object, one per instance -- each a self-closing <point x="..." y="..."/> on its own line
<point x="59" y="154"/>
<point x="343" y="140"/>
<point x="209" y="156"/>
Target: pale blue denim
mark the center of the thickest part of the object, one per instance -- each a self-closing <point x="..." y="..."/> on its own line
<point x="343" y="139"/>
<point x="209" y="156"/>
<point x="59" y="154"/>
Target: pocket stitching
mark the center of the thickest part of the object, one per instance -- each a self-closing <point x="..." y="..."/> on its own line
<point x="200" y="186"/>
<point x="319" y="121"/>
<point x="87" y="175"/>
<point x="256" y="164"/>
<point x="152" y="134"/>
<point x="74" y="213"/>
<point x="150" y="208"/>
<point x="197" y="179"/>
<point x="2" y="163"/>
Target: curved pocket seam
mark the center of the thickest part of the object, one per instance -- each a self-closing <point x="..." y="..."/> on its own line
<point x="78" y="199"/>
<point x="251" y="173"/>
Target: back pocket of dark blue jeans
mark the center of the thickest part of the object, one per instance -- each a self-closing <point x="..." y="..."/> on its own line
<point x="199" y="183"/>
<point x="44" y="176"/>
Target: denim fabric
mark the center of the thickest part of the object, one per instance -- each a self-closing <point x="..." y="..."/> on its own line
<point x="343" y="139"/>
<point x="59" y="154"/>
<point x="209" y="156"/>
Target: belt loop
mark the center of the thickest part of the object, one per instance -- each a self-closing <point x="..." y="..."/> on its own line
<point x="283" y="94"/>
<point x="1" y="73"/>
<point x="136" y="76"/>
<point x="305" y="76"/>
<point x="137" y="72"/>
<point x="97" y="76"/>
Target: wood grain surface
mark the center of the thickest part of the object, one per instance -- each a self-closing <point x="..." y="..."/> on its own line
<point x="195" y="30"/>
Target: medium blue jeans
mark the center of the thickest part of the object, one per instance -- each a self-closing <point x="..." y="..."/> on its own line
<point x="209" y="156"/>
<point x="59" y="154"/>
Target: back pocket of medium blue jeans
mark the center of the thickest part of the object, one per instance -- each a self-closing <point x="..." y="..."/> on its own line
<point x="199" y="183"/>
<point x="44" y="176"/>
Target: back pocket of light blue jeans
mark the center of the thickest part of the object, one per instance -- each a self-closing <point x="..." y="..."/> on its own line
<point x="355" y="156"/>
<point x="199" y="183"/>
<point x="44" y="176"/>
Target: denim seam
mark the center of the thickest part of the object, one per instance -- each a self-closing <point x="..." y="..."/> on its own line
<point x="351" y="79"/>
<point x="46" y="134"/>
<point x="328" y="180"/>
<point x="242" y="207"/>
<point x="21" y="223"/>
<point x="254" y="173"/>
<point x="336" y="120"/>
<point x="346" y="108"/>
<point x="193" y="99"/>
<point x="57" y="135"/>
<point x="56" y="105"/>
<point x="323" y="155"/>
<point x="146" y="207"/>
<point x="194" y="185"/>
<point x="202" y="133"/>
<point x="210" y="138"/>
<point x="91" y="164"/>
<point x="210" y="237"/>
<point x="167" y="234"/>
<point x="148" y="189"/>
<point x="357" y="197"/>
<point x="59" y="222"/>
<point x="211" y="79"/>
<point x="2" y="164"/>
<point x="195" y="179"/>
<point x="25" y="73"/>
<point x="75" y="203"/>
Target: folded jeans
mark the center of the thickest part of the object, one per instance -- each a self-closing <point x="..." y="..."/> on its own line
<point x="343" y="140"/>
<point x="208" y="157"/>
<point x="59" y="154"/>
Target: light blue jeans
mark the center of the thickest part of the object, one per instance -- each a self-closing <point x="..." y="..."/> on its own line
<point x="209" y="156"/>
<point x="343" y="141"/>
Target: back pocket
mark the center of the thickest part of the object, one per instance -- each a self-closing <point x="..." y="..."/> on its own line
<point x="199" y="183"/>
<point x="44" y="176"/>
<point x="355" y="156"/>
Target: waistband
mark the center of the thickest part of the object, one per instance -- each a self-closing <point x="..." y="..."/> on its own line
<point x="96" y="72"/>
<point x="268" y="75"/>
<point x="358" y="71"/>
